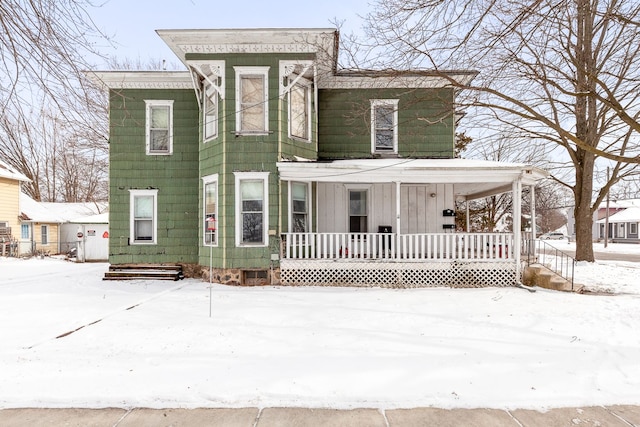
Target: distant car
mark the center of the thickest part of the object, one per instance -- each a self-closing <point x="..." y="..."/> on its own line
<point x="553" y="236"/>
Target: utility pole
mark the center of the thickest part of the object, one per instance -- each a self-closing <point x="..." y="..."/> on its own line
<point x="606" y="218"/>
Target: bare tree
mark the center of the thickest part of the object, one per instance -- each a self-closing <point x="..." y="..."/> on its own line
<point x="52" y="121"/>
<point x="566" y="73"/>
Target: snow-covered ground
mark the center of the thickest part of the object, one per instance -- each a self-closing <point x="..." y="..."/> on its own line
<point x="69" y="339"/>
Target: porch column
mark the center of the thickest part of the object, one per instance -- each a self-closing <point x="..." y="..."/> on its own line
<point x="534" y="225"/>
<point x="517" y="224"/>
<point x="466" y="205"/>
<point x="397" y="218"/>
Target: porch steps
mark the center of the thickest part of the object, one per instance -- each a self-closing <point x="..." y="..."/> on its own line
<point x="144" y="272"/>
<point x="539" y="275"/>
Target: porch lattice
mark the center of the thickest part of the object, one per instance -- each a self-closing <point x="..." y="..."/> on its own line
<point x="458" y="274"/>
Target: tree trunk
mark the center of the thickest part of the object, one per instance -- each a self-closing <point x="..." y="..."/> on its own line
<point x="582" y="211"/>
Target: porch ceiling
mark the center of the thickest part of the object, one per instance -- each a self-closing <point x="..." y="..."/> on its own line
<point x="471" y="178"/>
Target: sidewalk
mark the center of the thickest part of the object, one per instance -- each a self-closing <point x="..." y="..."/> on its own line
<point x="609" y="416"/>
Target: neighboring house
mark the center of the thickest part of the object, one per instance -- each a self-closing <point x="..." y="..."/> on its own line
<point x="42" y="223"/>
<point x="624" y="218"/>
<point x="10" y="181"/>
<point x="267" y="164"/>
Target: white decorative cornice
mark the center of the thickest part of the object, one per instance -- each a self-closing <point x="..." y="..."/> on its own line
<point x="142" y="79"/>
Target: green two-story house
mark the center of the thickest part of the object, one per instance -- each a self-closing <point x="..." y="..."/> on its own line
<point x="266" y="164"/>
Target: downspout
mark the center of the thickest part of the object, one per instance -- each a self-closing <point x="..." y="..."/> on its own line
<point x="224" y="221"/>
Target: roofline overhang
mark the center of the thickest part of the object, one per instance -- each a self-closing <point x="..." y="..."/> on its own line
<point x="141" y="79"/>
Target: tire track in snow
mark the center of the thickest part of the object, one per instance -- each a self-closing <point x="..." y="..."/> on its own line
<point x="120" y="310"/>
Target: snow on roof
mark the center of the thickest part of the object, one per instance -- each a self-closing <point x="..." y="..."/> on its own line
<point x="102" y="218"/>
<point x="9" y="172"/>
<point x="56" y="212"/>
<point x="631" y="214"/>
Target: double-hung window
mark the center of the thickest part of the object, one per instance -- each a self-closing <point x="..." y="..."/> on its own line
<point x="300" y="110"/>
<point x="210" y="112"/>
<point x="252" y="100"/>
<point x="159" y="126"/>
<point x="299" y="207"/>
<point x="210" y="204"/>
<point x="44" y="234"/>
<point x="358" y="217"/>
<point x="384" y="125"/>
<point x="252" y="206"/>
<point x="143" y="216"/>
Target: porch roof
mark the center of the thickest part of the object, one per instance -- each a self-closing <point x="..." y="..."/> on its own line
<point x="471" y="178"/>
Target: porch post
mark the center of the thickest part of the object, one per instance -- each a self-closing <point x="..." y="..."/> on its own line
<point x="534" y="225"/>
<point x="517" y="224"/>
<point x="397" y="219"/>
<point x="466" y="205"/>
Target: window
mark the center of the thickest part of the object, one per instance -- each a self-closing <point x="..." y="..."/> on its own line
<point x="300" y="111"/>
<point x="299" y="222"/>
<point x="633" y="228"/>
<point x="384" y="125"/>
<point x="159" y="132"/>
<point x="252" y="203"/>
<point x="210" y="204"/>
<point x="252" y="96"/>
<point x="44" y="234"/>
<point x="24" y="231"/>
<point x="210" y="112"/>
<point x="358" y="211"/>
<point x="143" y="215"/>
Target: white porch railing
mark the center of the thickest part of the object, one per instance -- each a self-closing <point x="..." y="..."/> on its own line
<point x="381" y="246"/>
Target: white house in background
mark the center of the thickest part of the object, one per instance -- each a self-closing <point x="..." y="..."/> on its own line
<point x="41" y="223"/>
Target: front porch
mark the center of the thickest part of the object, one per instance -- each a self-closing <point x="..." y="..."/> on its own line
<point x="400" y="260"/>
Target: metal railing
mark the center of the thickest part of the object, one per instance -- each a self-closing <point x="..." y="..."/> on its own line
<point x="561" y="263"/>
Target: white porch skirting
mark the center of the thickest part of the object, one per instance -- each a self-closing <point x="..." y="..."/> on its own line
<point x="398" y="273"/>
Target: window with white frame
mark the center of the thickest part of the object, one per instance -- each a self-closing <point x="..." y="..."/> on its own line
<point x="44" y="234"/>
<point x="252" y="100"/>
<point x="633" y="228"/>
<point x="210" y="206"/>
<point x="143" y="216"/>
<point x="210" y="112"/>
<point x="24" y="231"/>
<point x="299" y="222"/>
<point x="384" y="125"/>
<point x="300" y="110"/>
<point x="159" y="126"/>
<point x="252" y="205"/>
<point x="358" y="212"/>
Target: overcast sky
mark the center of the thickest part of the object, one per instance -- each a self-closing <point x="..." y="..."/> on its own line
<point x="132" y="24"/>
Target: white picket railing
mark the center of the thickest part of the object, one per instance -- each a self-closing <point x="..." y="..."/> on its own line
<point x="428" y="246"/>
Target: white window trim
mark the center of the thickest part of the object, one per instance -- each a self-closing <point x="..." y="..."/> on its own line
<point x="209" y="179"/>
<point x="309" y="210"/>
<point x="253" y="71"/>
<point x="132" y="195"/>
<point x="214" y="99"/>
<point x="378" y="103"/>
<point x="360" y="187"/>
<point x="244" y="176"/>
<point x="44" y="232"/>
<point x="158" y="103"/>
<point x="306" y="85"/>
<point x="633" y="228"/>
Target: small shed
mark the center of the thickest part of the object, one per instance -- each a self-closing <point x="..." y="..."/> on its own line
<point x="88" y="237"/>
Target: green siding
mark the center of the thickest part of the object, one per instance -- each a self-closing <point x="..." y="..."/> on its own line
<point x="425" y="122"/>
<point x="175" y="176"/>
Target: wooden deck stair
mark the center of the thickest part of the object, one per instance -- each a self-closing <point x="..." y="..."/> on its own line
<point x="144" y="272"/>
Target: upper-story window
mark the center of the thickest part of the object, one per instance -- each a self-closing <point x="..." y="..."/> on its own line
<point x="210" y="112"/>
<point x="252" y="100"/>
<point x="300" y="110"/>
<point x="384" y="125"/>
<point x="159" y="127"/>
